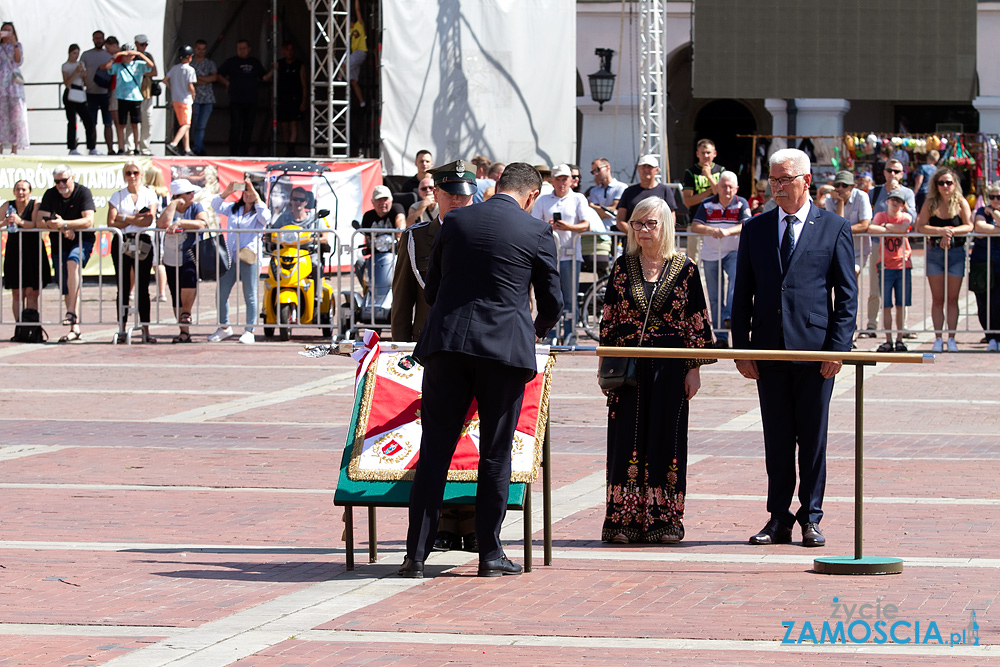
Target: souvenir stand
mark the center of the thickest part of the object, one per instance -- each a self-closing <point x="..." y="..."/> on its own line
<point x="965" y="153"/>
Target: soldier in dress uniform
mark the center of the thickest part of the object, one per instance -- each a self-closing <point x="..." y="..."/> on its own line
<point x="454" y="186"/>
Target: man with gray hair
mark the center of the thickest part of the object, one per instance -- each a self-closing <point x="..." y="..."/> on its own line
<point x="720" y="218"/>
<point x="795" y="290"/>
<point x="67" y="209"/>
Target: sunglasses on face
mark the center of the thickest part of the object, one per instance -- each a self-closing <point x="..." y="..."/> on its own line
<point x="841" y="185"/>
<point x="299" y="200"/>
<point x="427" y="189"/>
<point x="994" y="197"/>
<point x="894" y="171"/>
<point x="946" y="183"/>
<point x="61" y="181"/>
<point x="131" y="173"/>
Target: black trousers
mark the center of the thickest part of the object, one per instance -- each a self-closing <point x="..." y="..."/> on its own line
<point x="241" y="120"/>
<point x="73" y="110"/>
<point x="795" y="408"/>
<point x="451" y="380"/>
<point x="123" y="273"/>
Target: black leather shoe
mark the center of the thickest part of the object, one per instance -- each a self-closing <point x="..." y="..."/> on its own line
<point x="498" y="567"/>
<point x="411" y="569"/>
<point x="773" y="533"/>
<point x="446" y="541"/>
<point x="470" y="543"/>
<point x="811" y="537"/>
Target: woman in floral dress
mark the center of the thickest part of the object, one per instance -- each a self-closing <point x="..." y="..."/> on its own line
<point x="647" y="423"/>
<point x="13" y="110"/>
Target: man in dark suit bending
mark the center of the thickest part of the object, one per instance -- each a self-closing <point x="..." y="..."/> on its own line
<point x="479" y="343"/>
<point x="795" y="290"/>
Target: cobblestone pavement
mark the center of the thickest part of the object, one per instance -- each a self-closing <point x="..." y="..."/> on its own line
<point x="173" y="505"/>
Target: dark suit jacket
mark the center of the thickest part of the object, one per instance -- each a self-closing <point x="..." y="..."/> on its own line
<point x="814" y="304"/>
<point x="409" y="308"/>
<point x="482" y="264"/>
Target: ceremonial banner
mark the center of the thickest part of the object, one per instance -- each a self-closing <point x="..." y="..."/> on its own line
<point x="387" y="437"/>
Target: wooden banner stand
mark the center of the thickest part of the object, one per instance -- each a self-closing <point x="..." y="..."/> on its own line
<point x="373" y="494"/>
<point x="860" y="564"/>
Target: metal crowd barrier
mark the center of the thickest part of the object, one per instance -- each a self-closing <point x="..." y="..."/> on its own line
<point x="99" y="307"/>
<point x="354" y="307"/>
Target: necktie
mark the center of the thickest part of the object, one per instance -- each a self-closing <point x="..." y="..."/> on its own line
<point x="788" y="242"/>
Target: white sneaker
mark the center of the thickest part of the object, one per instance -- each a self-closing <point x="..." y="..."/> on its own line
<point x="247" y="338"/>
<point x="938" y="345"/>
<point x="94" y="151"/>
<point x="992" y="346"/>
<point x="222" y="333"/>
<point x="74" y="152"/>
<point x="952" y="345"/>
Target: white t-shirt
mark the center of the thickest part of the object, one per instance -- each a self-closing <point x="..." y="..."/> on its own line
<point x="79" y="79"/>
<point x="122" y="200"/>
<point x="573" y="209"/>
<point x="180" y="75"/>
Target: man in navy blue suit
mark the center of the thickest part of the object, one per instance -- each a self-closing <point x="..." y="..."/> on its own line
<point x="795" y="290"/>
<point x="479" y="343"/>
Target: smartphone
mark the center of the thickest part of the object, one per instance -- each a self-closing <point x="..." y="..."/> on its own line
<point x="5" y="33"/>
<point x="48" y="218"/>
<point x="557" y="217"/>
<point x="143" y="210"/>
<point x="239" y="186"/>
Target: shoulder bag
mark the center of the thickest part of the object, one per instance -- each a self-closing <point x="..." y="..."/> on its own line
<point x="211" y="256"/>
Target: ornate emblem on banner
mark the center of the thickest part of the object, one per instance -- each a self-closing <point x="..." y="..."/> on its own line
<point x="405" y="367"/>
<point x="392" y="448"/>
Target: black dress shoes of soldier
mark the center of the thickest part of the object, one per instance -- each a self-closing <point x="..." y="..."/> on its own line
<point x="446" y="541"/>
<point x="411" y="569"/>
<point x="498" y="567"/>
<point x="773" y="533"/>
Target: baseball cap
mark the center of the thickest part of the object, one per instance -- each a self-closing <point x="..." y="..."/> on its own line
<point x="182" y="186"/>
<point x="844" y="177"/>
<point x="649" y="161"/>
<point x="141" y="39"/>
<point x="381" y="192"/>
<point x="897" y="194"/>
<point x="561" y="170"/>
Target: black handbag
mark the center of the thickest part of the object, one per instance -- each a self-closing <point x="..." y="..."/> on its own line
<point x="211" y="256"/>
<point x="617" y="372"/>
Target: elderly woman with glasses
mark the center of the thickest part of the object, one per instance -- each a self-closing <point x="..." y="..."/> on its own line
<point x="946" y="218"/>
<point x="133" y="210"/>
<point x="654" y="299"/>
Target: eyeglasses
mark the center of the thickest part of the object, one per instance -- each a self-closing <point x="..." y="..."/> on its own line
<point x="427" y="189"/>
<point x="842" y="185"/>
<point x="299" y="200"/>
<point x="639" y="225"/>
<point x="131" y="173"/>
<point x="576" y="176"/>
<point x="946" y="184"/>
<point x="784" y="180"/>
<point x="994" y="197"/>
<point x="596" y="171"/>
<point x="60" y="181"/>
<point x="894" y="171"/>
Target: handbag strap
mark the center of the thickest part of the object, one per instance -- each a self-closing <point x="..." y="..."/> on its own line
<point x="652" y="297"/>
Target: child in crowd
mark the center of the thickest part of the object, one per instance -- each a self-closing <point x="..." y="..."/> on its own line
<point x="181" y="79"/>
<point x="894" y="266"/>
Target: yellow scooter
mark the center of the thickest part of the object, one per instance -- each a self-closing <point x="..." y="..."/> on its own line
<point x="294" y="289"/>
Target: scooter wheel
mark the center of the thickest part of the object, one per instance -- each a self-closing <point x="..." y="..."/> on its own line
<point x="286" y="315"/>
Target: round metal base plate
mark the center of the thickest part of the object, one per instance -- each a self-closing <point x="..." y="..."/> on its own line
<point x="857" y="566"/>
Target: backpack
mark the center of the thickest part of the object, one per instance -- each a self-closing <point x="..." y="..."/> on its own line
<point x="29" y="331"/>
